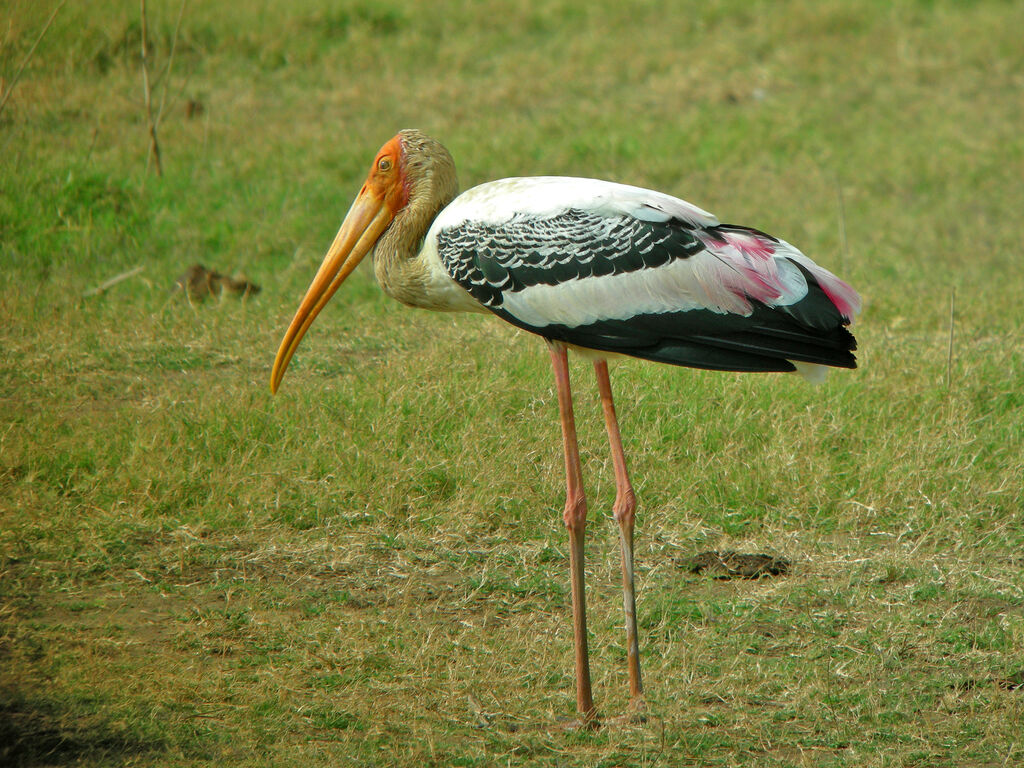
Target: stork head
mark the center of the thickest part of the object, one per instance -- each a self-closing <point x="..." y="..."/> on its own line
<point x="406" y="171"/>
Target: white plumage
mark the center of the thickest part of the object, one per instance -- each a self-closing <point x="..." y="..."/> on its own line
<point x="607" y="268"/>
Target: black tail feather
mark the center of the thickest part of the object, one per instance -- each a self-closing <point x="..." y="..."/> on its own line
<point x="811" y="330"/>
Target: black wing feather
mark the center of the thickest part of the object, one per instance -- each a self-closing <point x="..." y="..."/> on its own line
<point x="490" y="261"/>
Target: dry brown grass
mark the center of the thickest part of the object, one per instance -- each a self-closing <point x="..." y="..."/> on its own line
<point x="370" y="568"/>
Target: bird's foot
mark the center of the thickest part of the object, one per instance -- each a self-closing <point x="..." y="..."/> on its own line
<point x="587" y="722"/>
<point x="636" y="714"/>
<point x="637" y="710"/>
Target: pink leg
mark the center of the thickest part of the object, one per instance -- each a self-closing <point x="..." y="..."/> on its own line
<point x="575" y="520"/>
<point x="624" y="510"/>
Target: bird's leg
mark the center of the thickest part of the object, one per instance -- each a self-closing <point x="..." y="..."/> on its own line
<point x="624" y="510"/>
<point x="575" y="520"/>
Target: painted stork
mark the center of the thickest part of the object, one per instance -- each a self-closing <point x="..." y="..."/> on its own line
<point x="602" y="268"/>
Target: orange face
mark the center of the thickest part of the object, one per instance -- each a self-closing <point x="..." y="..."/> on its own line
<point x="384" y="193"/>
<point x="386" y="180"/>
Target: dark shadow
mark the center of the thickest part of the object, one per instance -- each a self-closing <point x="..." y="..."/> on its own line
<point x="38" y="732"/>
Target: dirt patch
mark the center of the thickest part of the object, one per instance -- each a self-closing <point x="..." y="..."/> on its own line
<point x="735" y="565"/>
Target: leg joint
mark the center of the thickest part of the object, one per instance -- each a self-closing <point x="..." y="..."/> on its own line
<point x="624" y="508"/>
<point x="575" y="514"/>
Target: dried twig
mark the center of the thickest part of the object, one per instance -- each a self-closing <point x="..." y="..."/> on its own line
<point x="113" y="281"/>
<point x="153" y="121"/>
<point x="28" y="56"/>
<point x="845" y="252"/>
<point x="154" y="143"/>
<point x="166" y="77"/>
<point x="952" y="325"/>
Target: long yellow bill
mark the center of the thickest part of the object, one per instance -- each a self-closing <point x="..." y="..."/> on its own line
<point x="365" y="222"/>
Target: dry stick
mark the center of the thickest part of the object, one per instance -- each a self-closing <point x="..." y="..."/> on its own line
<point x="92" y="146"/>
<point x="166" y="76"/>
<point x="949" y="352"/>
<point x="154" y="144"/>
<point x="28" y="56"/>
<point x="842" y="228"/>
<point x="113" y="281"/>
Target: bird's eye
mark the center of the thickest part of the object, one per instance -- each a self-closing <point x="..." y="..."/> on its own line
<point x="384" y="164"/>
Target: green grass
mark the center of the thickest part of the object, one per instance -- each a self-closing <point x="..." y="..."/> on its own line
<point x="370" y="568"/>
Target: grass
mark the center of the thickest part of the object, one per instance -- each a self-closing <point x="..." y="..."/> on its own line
<point x="370" y="567"/>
